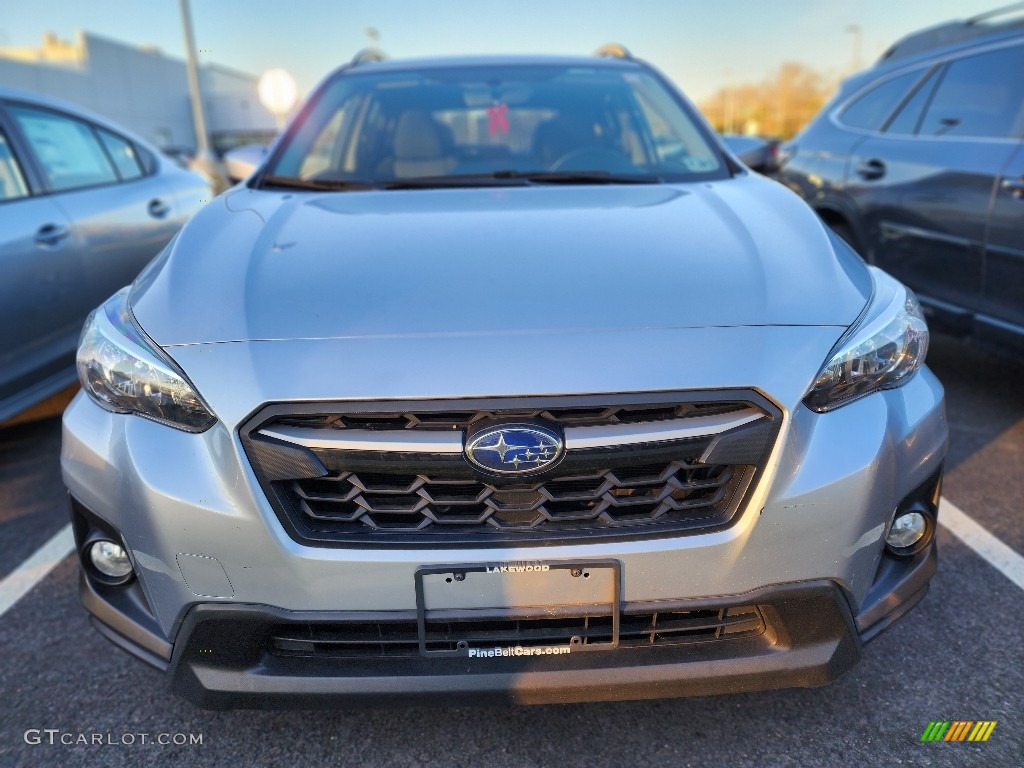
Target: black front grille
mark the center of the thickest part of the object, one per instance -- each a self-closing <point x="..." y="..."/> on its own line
<point x="329" y="496"/>
<point x="400" y="638"/>
<point x="396" y="502"/>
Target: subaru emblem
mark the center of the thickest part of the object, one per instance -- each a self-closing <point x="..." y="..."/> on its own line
<point x="514" y="449"/>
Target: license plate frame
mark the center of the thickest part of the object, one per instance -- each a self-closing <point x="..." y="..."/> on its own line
<point x="455" y="569"/>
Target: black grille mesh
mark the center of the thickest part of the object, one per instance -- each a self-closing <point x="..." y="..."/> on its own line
<point x="351" y="502"/>
<point x="368" y="639"/>
<point x="381" y="498"/>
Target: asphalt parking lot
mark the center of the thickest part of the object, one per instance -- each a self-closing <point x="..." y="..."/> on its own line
<point x="957" y="656"/>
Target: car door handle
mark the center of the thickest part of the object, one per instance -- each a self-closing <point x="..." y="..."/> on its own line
<point x="51" y="234"/>
<point x="158" y="208"/>
<point x="1014" y="186"/>
<point x="871" y="169"/>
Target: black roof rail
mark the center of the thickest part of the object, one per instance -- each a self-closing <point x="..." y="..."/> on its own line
<point x="955" y="32"/>
<point x="368" y="56"/>
<point x="1001" y="11"/>
<point x="614" y="51"/>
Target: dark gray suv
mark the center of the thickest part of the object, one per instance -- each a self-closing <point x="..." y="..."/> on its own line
<point x="919" y="163"/>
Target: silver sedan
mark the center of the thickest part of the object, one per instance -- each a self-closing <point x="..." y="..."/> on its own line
<point x="84" y="205"/>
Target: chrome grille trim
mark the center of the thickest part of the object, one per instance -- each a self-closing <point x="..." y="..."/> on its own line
<point x="407" y="441"/>
<point x="613" y="435"/>
<point x="606" y="436"/>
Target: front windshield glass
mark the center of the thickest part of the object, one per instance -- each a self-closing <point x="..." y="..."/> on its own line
<point x="482" y="123"/>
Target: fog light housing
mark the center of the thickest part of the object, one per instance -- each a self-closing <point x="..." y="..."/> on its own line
<point x="910" y="532"/>
<point x="110" y="561"/>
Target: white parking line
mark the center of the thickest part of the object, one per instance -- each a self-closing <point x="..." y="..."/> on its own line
<point x="34" y="570"/>
<point x="997" y="554"/>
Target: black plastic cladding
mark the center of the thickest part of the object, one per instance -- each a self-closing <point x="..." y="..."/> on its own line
<point x="680" y="496"/>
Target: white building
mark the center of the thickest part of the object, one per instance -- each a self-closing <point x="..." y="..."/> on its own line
<point x="141" y="88"/>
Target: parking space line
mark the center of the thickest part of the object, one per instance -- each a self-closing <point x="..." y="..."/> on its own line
<point x="994" y="551"/>
<point x="32" y="571"/>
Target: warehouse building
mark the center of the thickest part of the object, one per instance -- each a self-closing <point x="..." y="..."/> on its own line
<point x="141" y="88"/>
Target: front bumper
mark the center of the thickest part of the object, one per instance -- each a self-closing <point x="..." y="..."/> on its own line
<point x="222" y="658"/>
<point x="809" y="640"/>
<point x="208" y="549"/>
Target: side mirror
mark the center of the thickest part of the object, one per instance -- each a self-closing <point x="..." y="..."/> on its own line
<point x="752" y="151"/>
<point x="241" y="162"/>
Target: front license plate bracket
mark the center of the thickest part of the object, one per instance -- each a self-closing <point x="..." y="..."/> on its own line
<point x="459" y="572"/>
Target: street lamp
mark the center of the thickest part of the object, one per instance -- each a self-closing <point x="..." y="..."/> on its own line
<point x="204" y="161"/>
<point x="855" y="30"/>
<point x="278" y="93"/>
<point x="729" y="104"/>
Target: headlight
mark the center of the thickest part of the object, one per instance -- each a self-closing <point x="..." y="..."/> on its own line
<point x="125" y="372"/>
<point x="881" y="351"/>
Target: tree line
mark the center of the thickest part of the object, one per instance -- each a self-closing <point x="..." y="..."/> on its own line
<point x="778" y="106"/>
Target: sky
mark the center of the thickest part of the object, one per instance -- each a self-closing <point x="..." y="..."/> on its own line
<point x="701" y="45"/>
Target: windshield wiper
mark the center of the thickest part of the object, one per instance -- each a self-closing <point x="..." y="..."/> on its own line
<point x="459" y="180"/>
<point x="580" y="177"/>
<point x="318" y="185"/>
<point x="495" y="179"/>
<point x="517" y="178"/>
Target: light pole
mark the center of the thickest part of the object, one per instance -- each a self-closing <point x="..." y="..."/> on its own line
<point x="729" y="104"/>
<point x="855" y="30"/>
<point x="205" y="162"/>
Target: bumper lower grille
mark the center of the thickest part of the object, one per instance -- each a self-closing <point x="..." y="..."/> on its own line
<point x="384" y="639"/>
<point x="349" y="475"/>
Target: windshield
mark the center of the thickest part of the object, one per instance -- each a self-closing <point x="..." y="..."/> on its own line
<point x="493" y="124"/>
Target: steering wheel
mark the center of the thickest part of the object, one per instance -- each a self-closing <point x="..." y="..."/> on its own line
<point x="594" y="158"/>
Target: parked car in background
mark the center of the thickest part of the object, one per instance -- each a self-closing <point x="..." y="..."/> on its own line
<point x="84" y="204"/>
<point x="919" y="163"/>
<point x="501" y="379"/>
<point x="183" y="156"/>
<point x="242" y="161"/>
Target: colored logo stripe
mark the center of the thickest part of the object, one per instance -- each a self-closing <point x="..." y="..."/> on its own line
<point x="958" y="730"/>
<point x="982" y="731"/>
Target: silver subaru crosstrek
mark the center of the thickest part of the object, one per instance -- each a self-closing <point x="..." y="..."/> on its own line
<point x="502" y="378"/>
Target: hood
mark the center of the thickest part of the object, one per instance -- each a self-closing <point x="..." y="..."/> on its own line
<point x="262" y="265"/>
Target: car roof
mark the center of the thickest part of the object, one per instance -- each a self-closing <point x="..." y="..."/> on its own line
<point x="999" y="24"/>
<point x="43" y="100"/>
<point x="926" y="53"/>
<point x="910" y="50"/>
<point x="492" y="60"/>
